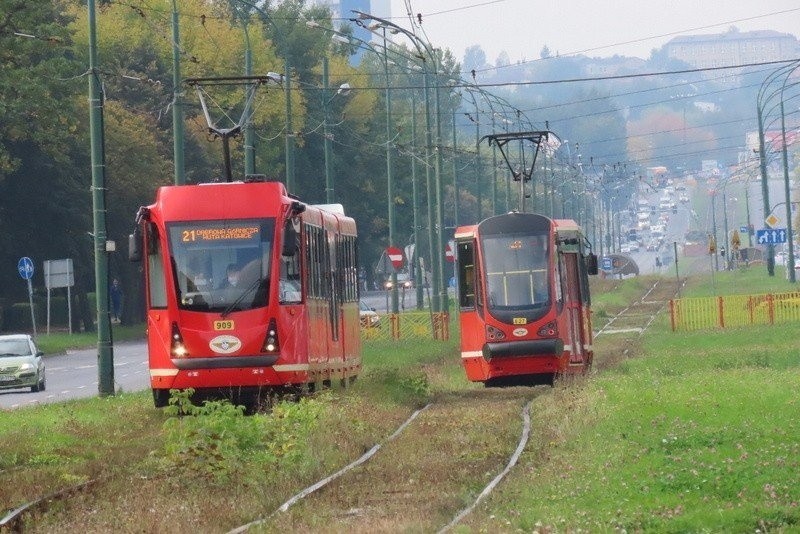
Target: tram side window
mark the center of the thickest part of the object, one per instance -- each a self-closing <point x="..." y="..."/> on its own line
<point x="466" y="275"/>
<point x="317" y="246"/>
<point x="352" y="269"/>
<point x="157" y="288"/>
<point x="346" y="274"/>
<point x="289" y="288"/>
<point x="561" y="281"/>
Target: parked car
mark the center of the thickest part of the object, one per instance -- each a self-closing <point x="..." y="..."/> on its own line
<point x="21" y="363"/>
<point x="369" y="317"/>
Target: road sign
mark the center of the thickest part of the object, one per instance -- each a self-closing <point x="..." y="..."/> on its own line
<point x="772" y="220"/>
<point x="607" y="264"/>
<point x="771" y="236"/>
<point x="25" y="268"/>
<point x="448" y="252"/>
<point x="395" y="256"/>
<point x="743" y="229"/>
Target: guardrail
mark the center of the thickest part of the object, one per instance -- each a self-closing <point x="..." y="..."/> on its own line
<point x="734" y="310"/>
<point x="407" y="325"/>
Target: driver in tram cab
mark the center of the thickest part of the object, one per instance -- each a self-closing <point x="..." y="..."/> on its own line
<point x="231" y="277"/>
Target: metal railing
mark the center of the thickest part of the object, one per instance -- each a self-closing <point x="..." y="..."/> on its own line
<point x="409" y="325"/>
<point x="701" y="313"/>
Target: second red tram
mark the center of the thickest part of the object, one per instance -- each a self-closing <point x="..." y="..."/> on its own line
<point x="247" y="290"/>
<point x="523" y="293"/>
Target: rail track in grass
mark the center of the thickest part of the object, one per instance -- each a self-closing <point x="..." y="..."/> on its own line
<point x="428" y="474"/>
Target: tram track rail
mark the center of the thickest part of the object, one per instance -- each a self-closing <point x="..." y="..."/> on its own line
<point x="401" y="474"/>
<point x="637" y="317"/>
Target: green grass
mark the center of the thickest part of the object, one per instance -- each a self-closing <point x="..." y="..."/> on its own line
<point x="753" y="280"/>
<point x="59" y="342"/>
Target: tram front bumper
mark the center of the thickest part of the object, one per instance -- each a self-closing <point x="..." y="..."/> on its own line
<point x="530" y="349"/>
<point x="224" y="362"/>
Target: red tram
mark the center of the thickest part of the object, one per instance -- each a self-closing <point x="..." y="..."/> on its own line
<point x="523" y="292"/>
<point x="248" y="290"/>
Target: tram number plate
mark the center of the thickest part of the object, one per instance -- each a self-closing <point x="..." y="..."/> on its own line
<point x="223" y="325"/>
<point x="520" y="320"/>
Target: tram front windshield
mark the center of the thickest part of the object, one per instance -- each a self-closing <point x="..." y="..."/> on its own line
<point x="221" y="266"/>
<point x="516" y="270"/>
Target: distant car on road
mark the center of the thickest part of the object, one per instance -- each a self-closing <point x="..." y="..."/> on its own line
<point x="403" y="281"/>
<point x="21" y="363"/>
<point x="369" y="317"/>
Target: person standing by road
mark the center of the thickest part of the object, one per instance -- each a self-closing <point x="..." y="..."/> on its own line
<point x="116" y="301"/>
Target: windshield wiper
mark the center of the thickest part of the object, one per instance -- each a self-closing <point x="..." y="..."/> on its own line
<point x="241" y="297"/>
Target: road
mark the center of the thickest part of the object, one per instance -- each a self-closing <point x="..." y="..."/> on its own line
<point x="74" y="376"/>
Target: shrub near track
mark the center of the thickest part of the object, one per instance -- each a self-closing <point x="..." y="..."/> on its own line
<point x="690" y="432"/>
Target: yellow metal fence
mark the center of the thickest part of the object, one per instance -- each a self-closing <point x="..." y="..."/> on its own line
<point x="734" y="310"/>
<point x="409" y="325"/>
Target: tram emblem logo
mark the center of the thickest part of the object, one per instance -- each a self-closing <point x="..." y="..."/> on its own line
<point x="519" y="332"/>
<point x="225" y="344"/>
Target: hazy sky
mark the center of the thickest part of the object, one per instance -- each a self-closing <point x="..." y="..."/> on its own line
<point x="595" y="27"/>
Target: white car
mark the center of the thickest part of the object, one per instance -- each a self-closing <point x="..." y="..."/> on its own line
<point x="368" y="316"/>
<point x="21" y="363"/>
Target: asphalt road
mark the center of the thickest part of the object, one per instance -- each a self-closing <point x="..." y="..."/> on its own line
<point x="74" y="376"/>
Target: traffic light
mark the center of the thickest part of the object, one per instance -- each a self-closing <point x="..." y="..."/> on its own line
<point x="712" y="245"/>
<point x="722" y="251"/>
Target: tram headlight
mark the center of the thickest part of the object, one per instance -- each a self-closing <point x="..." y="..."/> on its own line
<point x="494" y="333"/>
<point x="548" y="330"/>
<point x="271" y="343"/>
<point x="177" y="348"/>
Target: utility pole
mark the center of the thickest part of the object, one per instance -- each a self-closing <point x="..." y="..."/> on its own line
<point x="289" y="146"/>
<point x="326" y="143"/>
<point x="177" y="100"/>
<point x="249" y="135"/>
<point x="105" y="348"/>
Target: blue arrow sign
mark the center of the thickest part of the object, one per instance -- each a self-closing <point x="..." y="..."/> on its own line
<point x="771" y="236"/>
<point x="743" y="229"/>
<point x="25" y="268"/>
<point x="607" y="266"/>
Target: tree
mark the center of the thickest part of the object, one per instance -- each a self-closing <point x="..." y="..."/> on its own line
<point x="37" y="76"/>
<point x="474" y="58"/>
<point x="39" y="151"/>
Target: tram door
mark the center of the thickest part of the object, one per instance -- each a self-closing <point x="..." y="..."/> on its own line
<point x="574" y="304"/>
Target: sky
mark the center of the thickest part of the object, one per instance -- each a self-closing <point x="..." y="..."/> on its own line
<point x="597" y="28"/>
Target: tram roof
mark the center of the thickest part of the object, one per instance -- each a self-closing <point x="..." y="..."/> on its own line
<point x="566" y="225"/>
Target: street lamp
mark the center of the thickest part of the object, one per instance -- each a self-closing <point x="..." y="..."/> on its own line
<point x="289" y="139"/>
<point x="344" y="90"/>
<point x="786" y="185"/>
<point x="383" y="57"/>
<point x="761" y="100"/>
<point x="426" y="52"/>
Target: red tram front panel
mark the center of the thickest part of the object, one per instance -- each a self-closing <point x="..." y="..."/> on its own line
<point x="244" y="289"/>
<point x="520" y="309"/>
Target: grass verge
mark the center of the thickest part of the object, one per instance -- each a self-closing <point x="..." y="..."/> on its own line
<point x="693" y="432"/>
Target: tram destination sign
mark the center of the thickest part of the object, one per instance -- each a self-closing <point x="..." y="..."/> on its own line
<point x="227" y="233"/>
